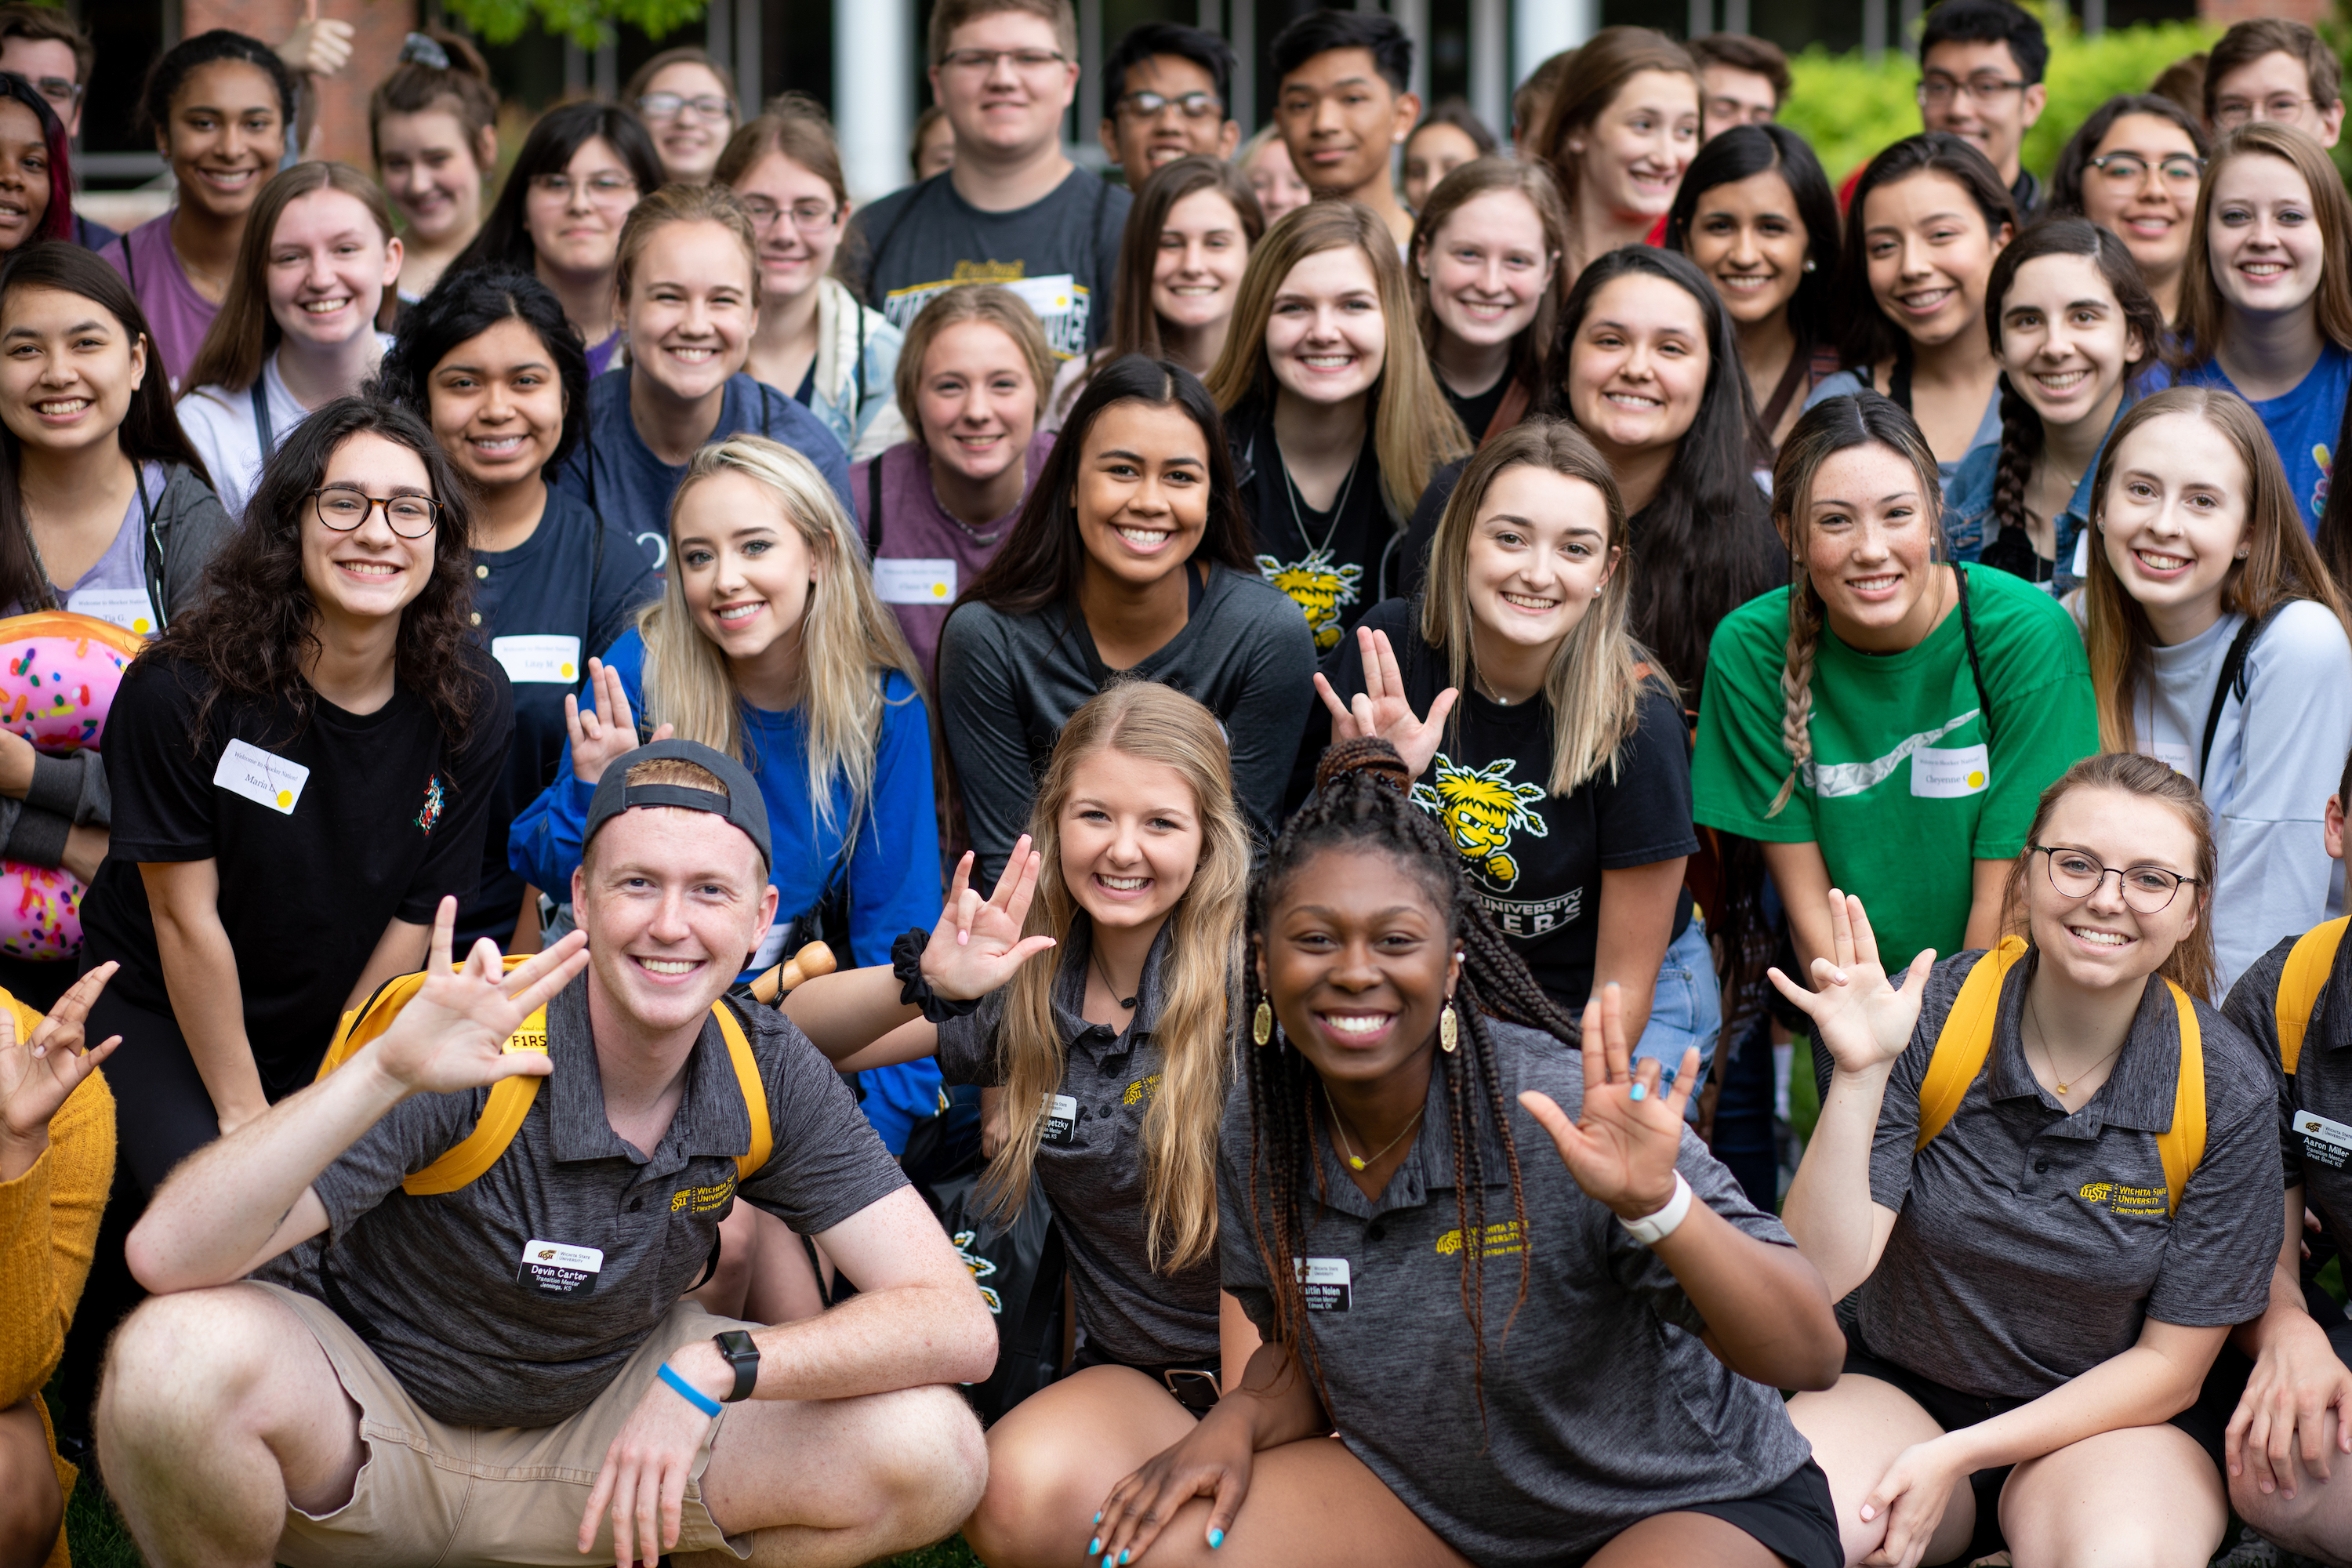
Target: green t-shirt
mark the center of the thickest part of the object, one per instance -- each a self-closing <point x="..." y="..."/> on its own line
<point x="1907" y="786"/>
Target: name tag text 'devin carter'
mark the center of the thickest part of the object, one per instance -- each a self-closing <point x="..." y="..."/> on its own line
<point x="1326" y="1282"/>
<point x="552" y="1269"/>
<point x="259" y="777"/>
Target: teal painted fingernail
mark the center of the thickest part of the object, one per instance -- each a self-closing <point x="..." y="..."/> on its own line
<point x="1216" y="1539"/>
<point x="1124" y="1556"/>
<point x="1095" y="1545"/>
<point x="1098" y="1521"/>
<point x="1105" y="1562"/>
<point x="1640" y="1091"/>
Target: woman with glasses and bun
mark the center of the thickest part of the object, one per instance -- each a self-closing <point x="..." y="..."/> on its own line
<point x="816" y="342"/>
<point x="2218" y="647"/>
<point x="2049" y="1171"/>
<point x="302" y="766"/>
<point x="687" y="102"/>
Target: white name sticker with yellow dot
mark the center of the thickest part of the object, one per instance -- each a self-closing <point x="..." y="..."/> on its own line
<point x="126" y="607"/>
<point x="898" y="581"/>
<point x="259" y="777"/>
<point x="539" y="659"/>
<point x="1941" y="772"/>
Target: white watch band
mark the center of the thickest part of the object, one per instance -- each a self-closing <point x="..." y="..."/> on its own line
<point x="1652" y="1229"/>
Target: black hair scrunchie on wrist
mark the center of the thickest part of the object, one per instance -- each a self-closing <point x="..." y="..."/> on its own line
<point x="906" y="963"/>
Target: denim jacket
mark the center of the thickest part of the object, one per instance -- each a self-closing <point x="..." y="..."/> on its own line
<point x="1969" y="522"/>
<point x="862" y="412"/>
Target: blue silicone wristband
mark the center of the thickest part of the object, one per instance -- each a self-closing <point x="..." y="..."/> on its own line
<point x="688" y="1392"/>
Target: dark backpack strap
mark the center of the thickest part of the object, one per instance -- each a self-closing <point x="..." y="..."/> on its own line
<point x="874" y="509"/>
<point x="154" y="572"/>
<point x="262" y="428"/>
<point x="2232" y="681"/>
<point x="1969" y="641"/>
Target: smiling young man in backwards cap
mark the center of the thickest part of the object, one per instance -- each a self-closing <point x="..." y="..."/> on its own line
<point x="430" y="1389"/>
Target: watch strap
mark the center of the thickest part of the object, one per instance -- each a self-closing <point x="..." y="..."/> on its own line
<point x="743" y="1354"/>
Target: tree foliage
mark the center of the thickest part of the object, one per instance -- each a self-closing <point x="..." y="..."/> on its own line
<point x="588" y="22"/>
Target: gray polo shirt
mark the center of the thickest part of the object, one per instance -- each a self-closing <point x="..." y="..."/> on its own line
<point x="2030" y="1244"/>
<point x="455" y="1292"/>
<point x="2315" y="1104"/>
<point x="1091" y="1163"/>
<point x="1603" y="1407"/>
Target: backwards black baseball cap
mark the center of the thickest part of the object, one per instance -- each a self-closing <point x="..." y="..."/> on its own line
<point x="741" y="805"/>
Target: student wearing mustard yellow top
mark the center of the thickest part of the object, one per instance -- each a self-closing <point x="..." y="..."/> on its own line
<point x="56" y="1160"/>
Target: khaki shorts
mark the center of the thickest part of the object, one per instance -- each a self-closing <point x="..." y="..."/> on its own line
<point x="450" y="1496"/>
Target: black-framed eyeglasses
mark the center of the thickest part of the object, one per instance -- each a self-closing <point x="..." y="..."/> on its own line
<point x="345" y="508"/>
<point x="809" y="216"/>
<point x="666" y="105"/>
<point x="2131" y="168"/>
<point x="1985" y="87"/>
<point x="2146" y="890"/>
<point x="1192" y="105"/>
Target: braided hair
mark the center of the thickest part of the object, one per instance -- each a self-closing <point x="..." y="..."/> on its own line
<point x="1833" y="426"/>
<point x="2022" y="436"/>
<point x="1361" y="802"/>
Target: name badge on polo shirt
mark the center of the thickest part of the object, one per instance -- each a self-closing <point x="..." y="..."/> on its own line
<point x="909" y="582"/>
<point x="552" y="1269"/>
<point x="1061" y="1120"/>
<point x="537" y="658"/>
<point x="2325" y="1142"/>
<point x="1945" y="773"/>
<point x="1325" y="1281"/>
<point x="129" y="609"/>
<point x="261" y="778"/>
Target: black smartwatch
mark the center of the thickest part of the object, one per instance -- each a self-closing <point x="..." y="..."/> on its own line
<point x="741" y="1354"/>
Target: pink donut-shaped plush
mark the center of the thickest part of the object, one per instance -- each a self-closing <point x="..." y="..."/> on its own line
<point x="58" y="674"/>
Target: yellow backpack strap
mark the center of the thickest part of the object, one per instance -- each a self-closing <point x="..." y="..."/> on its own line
<point x="2308" y="964"/>
<point x="755" y="1093"/>
<point x="2181" y="1146"/>
<point x="1965" y="1040"/>
<point x="369" y="1019"/>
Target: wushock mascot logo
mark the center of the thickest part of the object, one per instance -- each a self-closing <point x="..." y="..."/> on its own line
<point x="1481" y="808"/>
<point x="1320" y="589"/>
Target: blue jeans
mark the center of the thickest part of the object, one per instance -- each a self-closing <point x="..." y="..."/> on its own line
<point x="1685" y="1010"/>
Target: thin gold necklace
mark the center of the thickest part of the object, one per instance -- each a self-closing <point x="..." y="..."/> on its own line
<point x="1357" y="1162"/>
<point x="2042" y="1035"/>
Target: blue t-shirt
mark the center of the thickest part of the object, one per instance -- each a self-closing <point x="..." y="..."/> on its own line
<point x="2303" y="424"/>
<point x="893" y="874"/>
<point x="543" y="609"/>
<point x="620" y="479"/>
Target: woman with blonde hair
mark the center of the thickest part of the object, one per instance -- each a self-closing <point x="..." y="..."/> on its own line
<point x="1123" y="1045"/>
<point x="686" y="272"/>
<point x="971" y="382"/>
<point x="2217" y="646"/>
<point x="2266" y="297"/>
<point x="1486" y="249"/>
<point x="1884" y="723"/>
<point x="1332" y="413"/>
<point x="1546" y="742"/>
<point x="297" y="327"/>
<point x="768" y="643"/>
<point x="1621" y="131"/>
<point x="815" y="340"/>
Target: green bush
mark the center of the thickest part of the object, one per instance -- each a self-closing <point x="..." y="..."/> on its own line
<point x="1849" y="108"/>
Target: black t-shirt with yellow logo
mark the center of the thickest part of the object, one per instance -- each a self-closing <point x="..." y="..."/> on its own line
<point x="1336" y="564"/>
<point x="1536" y="858"/>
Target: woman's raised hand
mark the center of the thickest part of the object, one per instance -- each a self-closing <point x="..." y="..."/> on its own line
<point x="1381" y="708"/>
<point x="1862" y="1018"/>
<point x="1621" y="1149"/>
<point x="608" y="731"/>
<point x="978" y="945"/>
<point x="37" y="1074"/>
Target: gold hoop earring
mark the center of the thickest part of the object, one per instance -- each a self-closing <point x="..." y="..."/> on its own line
<point x="1261" y="1023"/>
<point x="1449" y="1031"/>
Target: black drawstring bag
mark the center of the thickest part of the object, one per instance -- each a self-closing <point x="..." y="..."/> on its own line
<point x="1020" y="1268"/>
